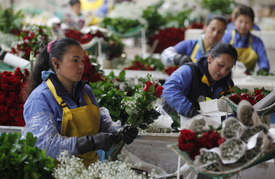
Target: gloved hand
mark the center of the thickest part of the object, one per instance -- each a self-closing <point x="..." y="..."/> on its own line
<point x="192" y="112"/>
<point x="181" y="59"/>
<point x="89" y="143"/>
<point x="127" y="133"/>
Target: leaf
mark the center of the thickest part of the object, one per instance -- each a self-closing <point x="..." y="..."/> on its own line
<point x="121" y="75"/>
<point x="31" y="141"/>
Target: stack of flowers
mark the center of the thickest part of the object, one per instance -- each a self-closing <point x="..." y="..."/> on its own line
<point x="91" y="71"/>
<point x="235" y="146"/>
<point x="11" y="105"/>
<point x="82" y="38"/>
<point x="148" y="64"/>
<point x="32" y="38"/>
<point x="252" y="96"/>
<point x="167" y="37"/>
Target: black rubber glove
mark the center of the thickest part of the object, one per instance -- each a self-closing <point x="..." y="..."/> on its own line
<point x="192" y="112"/>
<point x="127" y="133"/>
<point x="89" y="143"/>
<point x="181" y="59"/>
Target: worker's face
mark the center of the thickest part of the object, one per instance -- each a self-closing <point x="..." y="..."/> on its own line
<point x="71" y="68"/>
<point x="214" y="31"/>
<point x="220" y="66"/>
<point x="76" y="8"/>
<point x="243" y="24"/>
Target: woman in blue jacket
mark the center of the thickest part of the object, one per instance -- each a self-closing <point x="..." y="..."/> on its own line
<point x="250" y="48"/>
<point x="61" y="110"/>
<point x="190" y="50"/>
<point x="193" y="82"/>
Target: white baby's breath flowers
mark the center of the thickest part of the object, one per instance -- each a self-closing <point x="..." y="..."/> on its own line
<point x="71" y="167"/>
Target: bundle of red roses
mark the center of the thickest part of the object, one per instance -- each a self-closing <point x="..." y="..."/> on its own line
<point x="91" y="71"/>
<point x="253" y="97"/>
<point x="191" y="143"/>
<point x="33" y="38"/>
<point x="137" y="65"/>
<point x="167" y="37"/>
<point x="82" y="38"/>
<point x="11" y="104"/>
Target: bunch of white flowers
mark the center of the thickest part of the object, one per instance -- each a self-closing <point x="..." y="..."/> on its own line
<point x="71" y="167"/>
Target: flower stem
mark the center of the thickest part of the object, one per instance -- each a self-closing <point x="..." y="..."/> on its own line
<point x="117" y="150"/>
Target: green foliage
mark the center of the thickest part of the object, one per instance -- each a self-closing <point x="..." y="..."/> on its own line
<point x="121" y="25"/>
<point x="225" y="6"/>
<point x="10" y="20"/>
<point x="154" y="19"/>
<point x="20" y="159"/>
<point x="155" y="63"/>
<point x="239" y="91"/>
<point x="176" y="120"/>
<point x="109" y="97"/>
<point x="180" y="17"/>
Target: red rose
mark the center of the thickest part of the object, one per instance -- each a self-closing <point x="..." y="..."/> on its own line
<point x="147" y="86"/>
<point x="243" y="95"/>
<point x="257" y="92"/>
<point x="205" y="134"/>
<point x="158" y="91"/>
<point x="235" y="98"/>
<point x="188" y="134"/>
<point x="3" y="109"/>
<point x="215" y="135"/>
<point x="207" y="143"/>
<point x="220" y="141"/>
<point x="259" y="97"/>
<point x="188" y="147"/>
<point x="181" y="139"/>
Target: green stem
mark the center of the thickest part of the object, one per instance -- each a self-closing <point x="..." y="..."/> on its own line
<point x="121" y="144"/>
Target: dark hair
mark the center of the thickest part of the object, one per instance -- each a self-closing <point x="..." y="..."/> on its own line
<point x="223" y="48"/>
<point x="58" y="50"/>
<point x="216" y="17"/>
<point x="245" y="10"/>
<point x="73" y="2"/>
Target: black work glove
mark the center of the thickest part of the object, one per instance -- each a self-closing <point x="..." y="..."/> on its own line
<point x="181" y="59"/>
<point x="127" y="133"/>
<point x="192" y="112"/>
<point x="89" y="143"/>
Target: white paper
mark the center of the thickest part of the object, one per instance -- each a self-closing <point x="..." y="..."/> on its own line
<point x="15" y="61"/>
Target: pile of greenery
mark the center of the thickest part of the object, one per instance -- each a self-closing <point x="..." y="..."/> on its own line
<point x="20" y="159"/>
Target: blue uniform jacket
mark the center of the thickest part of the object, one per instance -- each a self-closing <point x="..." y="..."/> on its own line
<point x="257" y="45"/>
<point x="184" y="47"/>
<point x="43" y="116"/>
<point x="177" y="87"/>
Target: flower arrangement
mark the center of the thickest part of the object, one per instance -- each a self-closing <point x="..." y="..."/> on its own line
<point x="252" y="96"/>
<point x="230" y="147"/>
<point x="167" y="37"/>
<point x="141" y="107"/>
<point x="191" y="142"/>
<point x="32" y="38"/>
<point x="71" y="167"/>
<point x="11" y="105"/>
